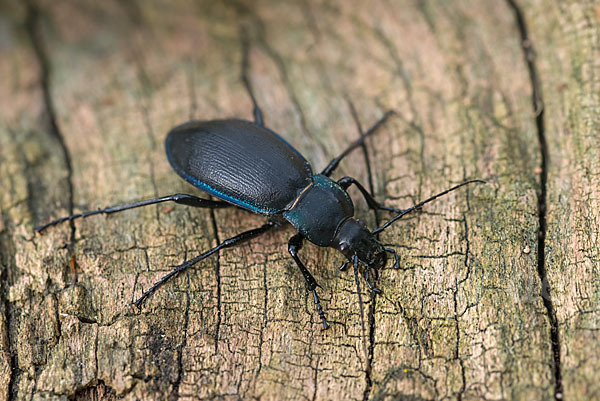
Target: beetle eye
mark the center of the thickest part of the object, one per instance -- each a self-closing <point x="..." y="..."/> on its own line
<point x="344" y="247"/>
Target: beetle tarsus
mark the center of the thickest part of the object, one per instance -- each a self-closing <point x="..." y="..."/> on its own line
<point x="164" y="279"/>
<point x="294" y="246"/>
<point x="320" y="310"/>
<point x="336" y="161"/>
<point x="396" y="258"/>
<point x="184" y="199"/>
<point x="344" y="266"/>
<point x="371" y="286"/>
<point x="228" y="243"/>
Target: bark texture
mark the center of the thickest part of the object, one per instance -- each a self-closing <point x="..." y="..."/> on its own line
<point x="498" y="292"/>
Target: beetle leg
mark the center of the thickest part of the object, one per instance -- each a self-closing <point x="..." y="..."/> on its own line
<point x="228" y="243"/>
<point x="373" y="204"/>
<point x="258" y="116"/>
<point x="397" y="259"/>
<point x="294" y="245"/>
<point x="335" y="162"/>
<point x="184" y="199"/>
<point x="371" y="286"/>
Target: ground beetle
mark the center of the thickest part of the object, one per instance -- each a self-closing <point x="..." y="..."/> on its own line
<point x="246" y="165"/>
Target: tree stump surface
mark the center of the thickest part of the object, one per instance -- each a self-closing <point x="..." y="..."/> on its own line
<point x="497" y="296"/>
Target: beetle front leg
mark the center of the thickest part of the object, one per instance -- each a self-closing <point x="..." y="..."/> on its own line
<point x="294" y="245"/>
<point x="335" y="162"/>
<point x="373" y="204"/>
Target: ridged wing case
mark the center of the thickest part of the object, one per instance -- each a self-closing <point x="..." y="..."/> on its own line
<point x="240" y="162"/>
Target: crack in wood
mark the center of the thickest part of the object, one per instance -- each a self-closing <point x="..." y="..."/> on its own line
<point x="371" y="312"/>
<point x="538" y="110"/>
<point x="180" y="370"/>
<point x="32" y="27"/>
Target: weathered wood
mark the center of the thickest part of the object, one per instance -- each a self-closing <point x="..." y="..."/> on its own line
<point x="567" y="37"/>
<point x="87" y="94"/>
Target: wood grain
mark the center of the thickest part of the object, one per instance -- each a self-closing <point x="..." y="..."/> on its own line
<point x="88" y="91"/>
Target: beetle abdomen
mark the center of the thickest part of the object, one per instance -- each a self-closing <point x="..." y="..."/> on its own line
<point x="239" y="162"/>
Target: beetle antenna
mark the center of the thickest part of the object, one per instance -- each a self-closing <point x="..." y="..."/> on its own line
<point x="418" y="205"/>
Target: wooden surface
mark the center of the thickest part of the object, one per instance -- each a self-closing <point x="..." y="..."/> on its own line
<point x="88" y="91"/>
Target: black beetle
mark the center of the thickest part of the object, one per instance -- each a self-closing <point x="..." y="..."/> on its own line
<point x="247" y="165"/>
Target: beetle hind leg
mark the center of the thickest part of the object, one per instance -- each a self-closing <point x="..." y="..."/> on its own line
<point x="228" y="243"/>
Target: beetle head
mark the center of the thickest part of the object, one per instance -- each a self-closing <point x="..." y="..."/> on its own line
<point x="354" y="238"/>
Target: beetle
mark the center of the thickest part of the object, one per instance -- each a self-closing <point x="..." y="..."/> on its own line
<point x="246" y="165"/>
